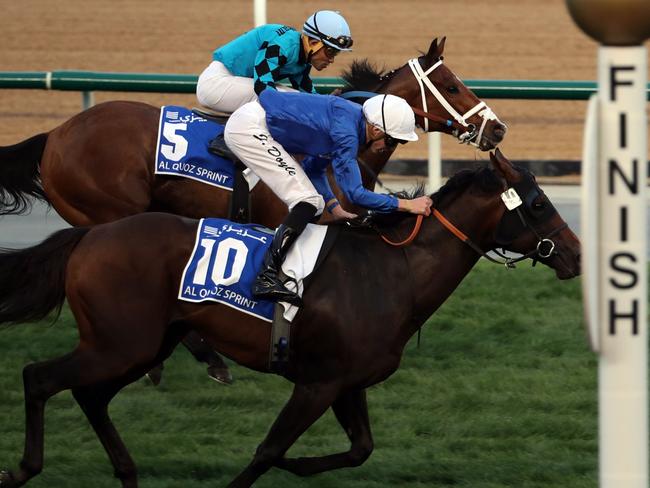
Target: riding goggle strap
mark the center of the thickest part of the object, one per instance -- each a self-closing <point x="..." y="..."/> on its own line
<point x="340" y="42"/>
<point x="388" y="140"/>
<point x="470" y="136"/>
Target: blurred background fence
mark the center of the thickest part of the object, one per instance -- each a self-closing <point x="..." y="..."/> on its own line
<point x="87" y="82"/>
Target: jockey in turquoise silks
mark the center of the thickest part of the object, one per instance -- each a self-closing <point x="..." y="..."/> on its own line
<point x="261" y="57"/>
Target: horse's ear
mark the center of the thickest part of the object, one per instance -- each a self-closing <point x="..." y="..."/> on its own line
<point x="435" y="49"/>
<point x="504" y="167"/>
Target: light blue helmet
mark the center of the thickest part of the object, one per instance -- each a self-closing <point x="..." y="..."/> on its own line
<point x="331" y="28"/>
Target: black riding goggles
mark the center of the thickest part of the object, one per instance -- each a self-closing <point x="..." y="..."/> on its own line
<point x="392" y="142"/>
<point x="341" y="42"/>
<point x="331" y="52"/>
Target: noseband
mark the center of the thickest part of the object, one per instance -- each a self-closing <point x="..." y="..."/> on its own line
<point x="471" y="135"/>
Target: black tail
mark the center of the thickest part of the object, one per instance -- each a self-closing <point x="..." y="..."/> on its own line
<point x="32" y="280"/>
<point x="20" y="176"/>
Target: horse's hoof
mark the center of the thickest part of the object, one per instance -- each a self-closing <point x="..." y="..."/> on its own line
<point x="7" y="480"/>
<point x="220" y="375"/>
<point x="155" y="375"/>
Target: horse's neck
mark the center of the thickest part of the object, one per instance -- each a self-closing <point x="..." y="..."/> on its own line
<point x="402" y="84"/>
<point x="439" y="261"/>
<point x="371" y="164"/>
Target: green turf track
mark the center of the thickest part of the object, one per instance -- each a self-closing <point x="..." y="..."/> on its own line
<point x="501" y="393"/>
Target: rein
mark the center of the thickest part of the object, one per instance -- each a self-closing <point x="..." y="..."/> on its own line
<point x="537" y="252"/>
<point x="507" y="262"/>
<point x="410" y="238"/>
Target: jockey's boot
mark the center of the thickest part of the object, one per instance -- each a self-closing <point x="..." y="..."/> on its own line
<point x="219" y="147"/>
<point x="268" y="284"/>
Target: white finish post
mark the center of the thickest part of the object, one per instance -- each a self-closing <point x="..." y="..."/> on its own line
<point x="259" y="12"/>
<point x="435" y="161"/>
<point x="618" y="263"/>
<point x="589" y="224"/>
<point x="622" y="372"/>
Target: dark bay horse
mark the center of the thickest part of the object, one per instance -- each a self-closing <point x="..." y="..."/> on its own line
<point x="99" y="165"/>
<point x="362" y="306"/>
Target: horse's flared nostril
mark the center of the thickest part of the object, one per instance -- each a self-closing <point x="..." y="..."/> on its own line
<point x="500" y="131"/>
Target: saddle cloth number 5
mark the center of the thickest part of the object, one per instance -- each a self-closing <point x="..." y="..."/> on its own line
<point x="179" y="149"/>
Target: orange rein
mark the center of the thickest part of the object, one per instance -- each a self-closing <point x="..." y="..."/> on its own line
<point x="418" y="223"/>
<point x="410" y="238"/>
<point x="451" y="227"/>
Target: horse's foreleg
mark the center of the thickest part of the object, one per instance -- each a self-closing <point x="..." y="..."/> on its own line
<point x="351" y="411"/>
<point x="306" y="405"/>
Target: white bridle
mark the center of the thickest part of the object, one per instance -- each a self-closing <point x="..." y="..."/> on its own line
<point x="468" y="137"/>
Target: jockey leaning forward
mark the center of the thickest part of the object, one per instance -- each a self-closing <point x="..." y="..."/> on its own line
<point x="329" y="131"/>
<point x="258" y="59"/>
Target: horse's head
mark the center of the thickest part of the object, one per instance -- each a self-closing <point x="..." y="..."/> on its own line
<point x="441" y="101"/>
<point x="529" y="224"/>
<point x="503" y="209"/>
<point x="433" y="89"/>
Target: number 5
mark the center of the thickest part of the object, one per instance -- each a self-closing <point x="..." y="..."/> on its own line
<point x="179" y="150"/>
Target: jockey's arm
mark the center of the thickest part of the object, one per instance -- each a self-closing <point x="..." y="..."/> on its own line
<point x="344" y="132"/>
<point x="316" y="170"/>
<point x="303" y="82"/>
<point x="348" y="178"/>
<point x="266" y="71"/>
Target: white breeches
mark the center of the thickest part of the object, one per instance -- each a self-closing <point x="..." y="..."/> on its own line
<point x="220" y="90"/>
<point x="247" y="135"/>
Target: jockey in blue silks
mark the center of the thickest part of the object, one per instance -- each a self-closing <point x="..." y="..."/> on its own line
<point x="329" y="131"/>
<point x="261" y="57"/>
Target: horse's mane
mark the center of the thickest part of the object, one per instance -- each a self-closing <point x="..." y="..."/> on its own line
<point x="483" y="177"/>
<point x="364" y="75"/>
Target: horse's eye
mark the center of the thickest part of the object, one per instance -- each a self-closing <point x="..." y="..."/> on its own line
<point x="540" y="205"/>
<point x="452" y="89"/>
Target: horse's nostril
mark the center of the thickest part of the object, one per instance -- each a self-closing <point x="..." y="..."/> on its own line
<point x="500" y="131"/>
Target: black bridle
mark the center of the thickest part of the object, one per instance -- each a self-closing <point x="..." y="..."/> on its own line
<point x="545" y="247"/>
<point x="535" y="254"/>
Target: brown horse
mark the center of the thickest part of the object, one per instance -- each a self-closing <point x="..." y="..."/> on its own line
<point x="99" y="165"/>
<point x="362" y="306"/>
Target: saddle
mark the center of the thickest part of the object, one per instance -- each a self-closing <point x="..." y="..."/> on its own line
<point x="239" y="206"/>
<point x="214" y="115"/>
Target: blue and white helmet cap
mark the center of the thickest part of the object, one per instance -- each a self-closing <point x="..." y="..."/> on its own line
<point x="331" y="28"/>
